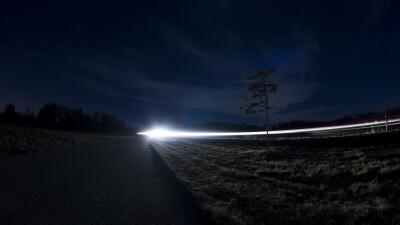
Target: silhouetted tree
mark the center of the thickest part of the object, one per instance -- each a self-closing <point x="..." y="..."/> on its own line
<point x="111" y="123"/>
<point x="260" y="91"/>
<point x="97" y="117"/>
<point x="9" y="114"/>
<point x="9" y="108"/>
<point x="47" y="116"/>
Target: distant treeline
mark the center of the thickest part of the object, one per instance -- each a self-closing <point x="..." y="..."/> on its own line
<point x="217" y="126"/>
<point x="350" y="118"/>
<point x="297" y="124"/>
<point x="61" y="117"/>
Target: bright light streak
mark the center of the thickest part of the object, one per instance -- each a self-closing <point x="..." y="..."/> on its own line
<point x="165" y="133"/>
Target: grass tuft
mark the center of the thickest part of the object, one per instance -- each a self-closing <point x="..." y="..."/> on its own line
<point x="14" y="139"/>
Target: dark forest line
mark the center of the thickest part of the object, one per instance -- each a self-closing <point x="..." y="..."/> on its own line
<point x="218" y="126"/>
<point x="55" y="116"/>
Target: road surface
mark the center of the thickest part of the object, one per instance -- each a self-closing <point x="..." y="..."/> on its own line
<point x="117" y="182"/>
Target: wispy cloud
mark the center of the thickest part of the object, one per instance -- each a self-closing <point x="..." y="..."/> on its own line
<point x="228" y="71"/>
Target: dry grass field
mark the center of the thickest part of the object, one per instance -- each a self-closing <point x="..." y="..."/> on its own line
<point x="14" y="139"/>
<point x="334" y="180"/>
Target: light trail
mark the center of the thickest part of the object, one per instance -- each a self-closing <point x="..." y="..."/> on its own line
<point x="165" y="133"/>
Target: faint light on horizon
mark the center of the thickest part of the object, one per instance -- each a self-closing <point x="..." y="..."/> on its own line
<point x="166" y="133"/>
<point x="163" y="133"/>
<point x="157" y="132"/>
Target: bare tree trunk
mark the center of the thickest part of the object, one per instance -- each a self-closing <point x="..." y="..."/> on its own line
<point x="386" y="117"/>
<point x="267" y="129"/>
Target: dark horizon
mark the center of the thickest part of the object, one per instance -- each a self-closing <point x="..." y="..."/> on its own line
<point x="143" y="61"/>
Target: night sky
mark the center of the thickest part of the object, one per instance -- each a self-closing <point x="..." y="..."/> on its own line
<point x="144" y="60"/>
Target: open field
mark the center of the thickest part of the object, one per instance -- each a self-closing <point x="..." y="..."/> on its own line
<point x="336" y="180"/>
<point x="14" y="139"/>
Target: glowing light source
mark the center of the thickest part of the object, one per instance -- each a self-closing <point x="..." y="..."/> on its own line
<point x="164" y="133"/>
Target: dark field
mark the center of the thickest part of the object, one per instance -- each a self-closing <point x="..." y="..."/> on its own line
<point x="334" y="180"/>
<point x="15" y="139"/>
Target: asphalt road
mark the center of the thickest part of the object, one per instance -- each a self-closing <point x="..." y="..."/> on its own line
<point x="117" y="182"/>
